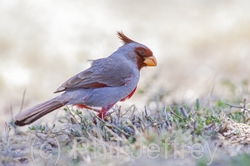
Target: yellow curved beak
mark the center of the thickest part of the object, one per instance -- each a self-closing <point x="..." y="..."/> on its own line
<point x="150" y="61"/>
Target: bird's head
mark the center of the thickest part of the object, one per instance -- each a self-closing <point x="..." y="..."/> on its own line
<point x="137" y="52"/>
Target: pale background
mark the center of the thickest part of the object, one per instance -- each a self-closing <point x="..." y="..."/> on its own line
<point x="198" y="45"/>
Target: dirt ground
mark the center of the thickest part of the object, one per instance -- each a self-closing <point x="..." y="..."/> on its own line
<point x="199" y="46"/>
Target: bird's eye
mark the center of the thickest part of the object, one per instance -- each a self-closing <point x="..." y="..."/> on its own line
<point x="142" y="52"/>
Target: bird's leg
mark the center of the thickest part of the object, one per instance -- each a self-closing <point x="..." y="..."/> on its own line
<point x="104" y="110"/>
<point x="81" y="106"/>
<point x="93" y="109"/>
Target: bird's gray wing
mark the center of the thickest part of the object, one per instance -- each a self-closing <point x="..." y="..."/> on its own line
<point x="103" y="72"/>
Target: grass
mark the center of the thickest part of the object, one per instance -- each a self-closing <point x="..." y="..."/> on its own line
<point x="205" y="132"/>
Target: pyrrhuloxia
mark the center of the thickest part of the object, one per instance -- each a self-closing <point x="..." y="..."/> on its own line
<point x="106" y="82"/>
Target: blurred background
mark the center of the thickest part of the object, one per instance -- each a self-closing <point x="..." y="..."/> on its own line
<point x="200" y="46"/>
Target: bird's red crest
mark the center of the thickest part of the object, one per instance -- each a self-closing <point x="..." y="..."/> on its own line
<point x="124" y="38"/>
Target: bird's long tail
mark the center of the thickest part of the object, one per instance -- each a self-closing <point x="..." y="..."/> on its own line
<point x="32" y="114"/>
